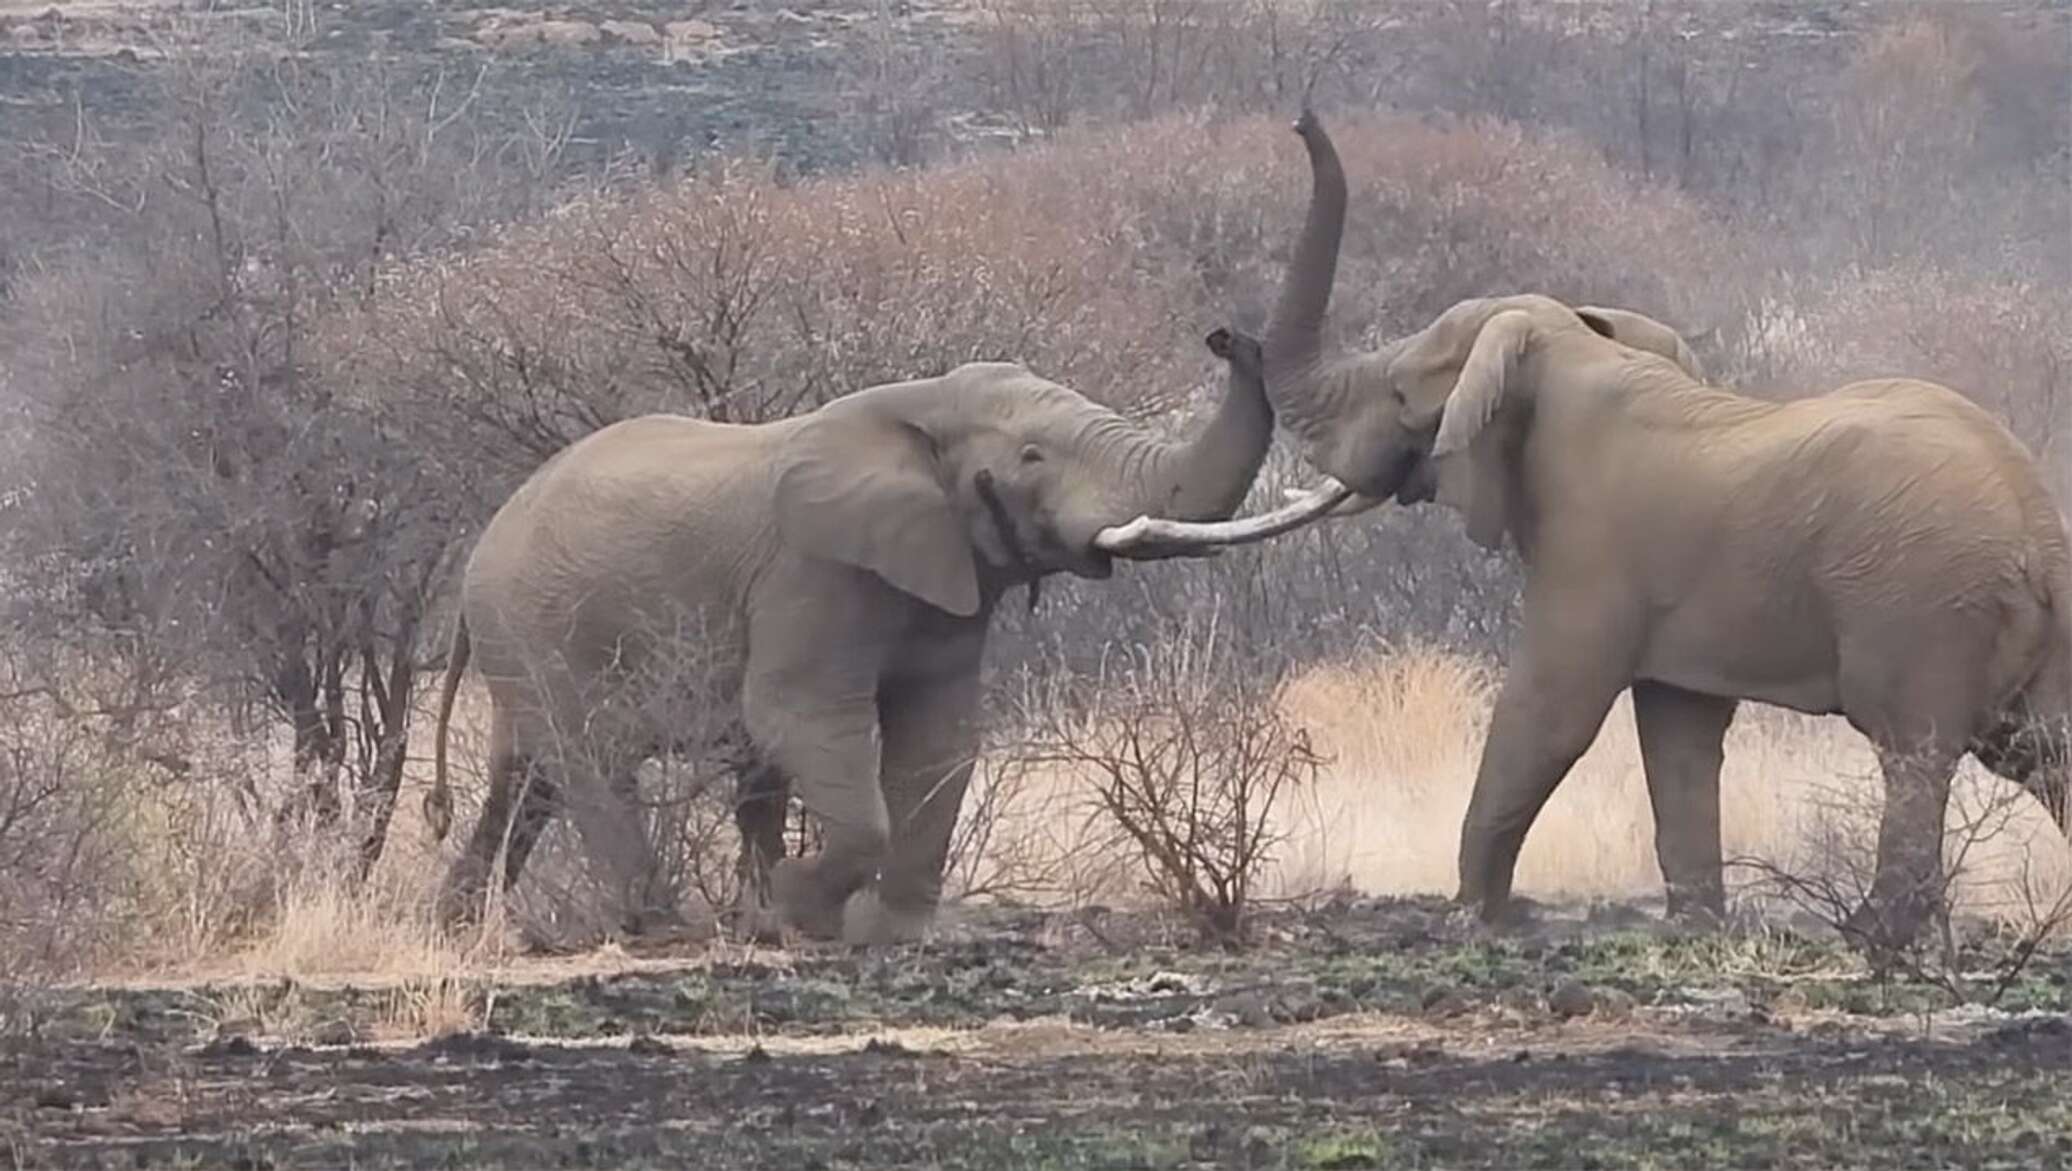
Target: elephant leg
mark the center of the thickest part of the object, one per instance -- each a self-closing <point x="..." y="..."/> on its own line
<point x="539" y="799"/>
<point x="1573" y="660"/>
<point x="1682" y="734"/>
<point x="931" y="738"/>
<point x="762" y="796"/>
<point x="1921" y="712"/>
<point x="1907" y="885"/>
<point x="521" y="801"/>
<point x="607" y="813"/>
<point x="810" y="700"/>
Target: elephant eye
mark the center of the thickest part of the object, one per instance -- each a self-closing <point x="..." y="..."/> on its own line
<point x="1031" y="454"/>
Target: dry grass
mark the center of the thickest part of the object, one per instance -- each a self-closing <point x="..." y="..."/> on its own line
<point x="1405" y="732"/>
<point x="1402" y="732"/>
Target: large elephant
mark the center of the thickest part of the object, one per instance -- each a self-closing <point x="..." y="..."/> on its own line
<point x="1887" y="552"/>
<point x="838" y="570"/>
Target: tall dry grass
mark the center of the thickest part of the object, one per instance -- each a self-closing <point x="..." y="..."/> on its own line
<point x="1403" y="731"/>
<point x="212" y="893"/>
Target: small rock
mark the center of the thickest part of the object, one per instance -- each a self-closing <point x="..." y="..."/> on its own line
<point x="1718" y="1003"/>
<point x="568" y="32"/>
<point x="1248" y="1007"/>
<point x="479" y="1047"/>
<point x="1170" y="983"/>
<point x="1570" y="999"/>
<point x="235" y="1045"/>
<point x="1452" y="1004"/>
<point x="1615" y="1003"/>
<point x="1301" y="1008"/>
<point x="691" y="30"/>
<point x="1521" y="1002"/>
<point x="632" y="32"/>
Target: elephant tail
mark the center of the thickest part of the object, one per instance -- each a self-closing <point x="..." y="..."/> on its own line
<point x="438" y="804"/>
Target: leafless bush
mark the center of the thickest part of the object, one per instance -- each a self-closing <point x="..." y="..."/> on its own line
<point x="190" y="488"/>
<point x="1187" y="752"/>
<point x="1987" y="864"/>
<point x="62" y="801"/>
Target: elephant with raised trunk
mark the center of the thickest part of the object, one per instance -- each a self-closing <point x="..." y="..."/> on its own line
<point x="840" y="569"/>
<point x="1887" y="552"/>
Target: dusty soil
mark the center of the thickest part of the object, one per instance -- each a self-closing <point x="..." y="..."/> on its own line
<point x="1368" y="1034"/>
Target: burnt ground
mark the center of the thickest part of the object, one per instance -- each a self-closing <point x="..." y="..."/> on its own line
<point x="1369" y="1034"/>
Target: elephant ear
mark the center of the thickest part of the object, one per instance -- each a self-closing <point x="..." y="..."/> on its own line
<point x="862" y="488"/>
<point x="1642" y="332"/>
<point x="1468" y="454"/>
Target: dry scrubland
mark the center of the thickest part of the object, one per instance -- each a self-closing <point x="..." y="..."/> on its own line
<point x="1098" y="261"/>
<point x="274" y="358"/>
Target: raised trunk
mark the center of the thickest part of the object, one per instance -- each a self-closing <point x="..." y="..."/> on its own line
<point x="1295" y="337"/>
<point x="1208" y="476"/>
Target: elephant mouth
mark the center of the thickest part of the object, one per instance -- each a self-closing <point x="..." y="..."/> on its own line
<point x="1418" y="483"/>
<point x="1092" y="563"/>
<point x="1025" y="563"/>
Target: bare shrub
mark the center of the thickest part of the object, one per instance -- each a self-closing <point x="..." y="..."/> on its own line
<point x="1991" y="863"/>
<point x="193" y="495"/>
<point x="1187" y="753"/>
<point x="62" y="808"/>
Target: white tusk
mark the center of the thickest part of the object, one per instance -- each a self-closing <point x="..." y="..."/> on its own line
<point x="1149" y="536"/>
<point x="1354" y="506"/>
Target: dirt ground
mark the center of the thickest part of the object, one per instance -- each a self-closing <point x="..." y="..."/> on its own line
<point x="1365" y="1034"/>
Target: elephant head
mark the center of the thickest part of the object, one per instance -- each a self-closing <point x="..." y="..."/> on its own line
<point x="955" y="488"/>
<point x="1370" y="421"/>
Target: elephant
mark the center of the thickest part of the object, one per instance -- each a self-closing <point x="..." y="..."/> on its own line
<point x="1887" y="552"/>
<point x="839" y="569"/>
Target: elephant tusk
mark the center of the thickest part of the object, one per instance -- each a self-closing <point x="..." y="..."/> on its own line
<point x="1147" y="536"/>
<point x="1354" y="505"/>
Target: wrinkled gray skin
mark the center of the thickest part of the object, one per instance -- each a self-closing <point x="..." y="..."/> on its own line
<point x="1887" y="552"/>
<point x="840" y="568"/>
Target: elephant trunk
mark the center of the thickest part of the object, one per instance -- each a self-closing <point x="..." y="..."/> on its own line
<point x="1207" y="477"/>
<point x="1295" y="337"/>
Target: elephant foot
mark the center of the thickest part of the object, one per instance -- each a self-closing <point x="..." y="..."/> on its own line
<point x="801" y="902"/>
<point x="1491" y="912"/>
<point x="1703" y="908"/>
<point x="1888" y="924"/>
<point x="868" y="920"/>
<point x="656" y="922"/>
